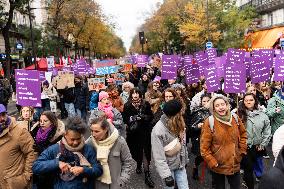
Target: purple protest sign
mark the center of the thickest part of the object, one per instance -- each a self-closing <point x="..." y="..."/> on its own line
<point x="268" y="54"/>
<point x="181" y="62"/>
<point x="212" y="81"/>
<point x="157" y="78"/>
<point x="169" y="66"/>
<point x="247" y="54"/>
<point x="247" y="64"/>
<point x="191" y="70"/>
<point x="279" y="68"/>
<point x="141" y="60"/>
<point x="220" y="63"/>
<point x="235" y="56"/>
<point x="235" y="79"/>
<point x="81" y="66"/>
<point x="211" y="55"/>
<point x="28" y="87"/>
<point x="259" y="70"/>
<point x="201" y="58"/>
<point x="42" y="75"/>
<point x="54" y="71"/>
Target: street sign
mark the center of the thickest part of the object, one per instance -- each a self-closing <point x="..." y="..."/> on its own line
<point x="209" y="45"/>
<point x="19" y="46"/>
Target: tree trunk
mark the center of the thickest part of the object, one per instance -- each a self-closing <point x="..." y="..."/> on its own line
<point x="7" y="66"/>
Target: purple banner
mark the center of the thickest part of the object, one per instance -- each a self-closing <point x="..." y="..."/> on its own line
<point x="169" y="66"/>
<point x="235" y="56"/>
<point x="212" y="81"/>
<point x="259" y="70"/>
<point x="54" y="71"/>
<point x="247" y="64"/>
<point x="81" y="67"/>
<point x="279" y="68"/>
<point x="142" y="60"/>
<point x="28" y="87"/>
<point x="220" y="63"/>
<point x="235" y="79"/>
<point x="201" y="59"/>
<point x="191" y="70"/>
<point x="42" y="75"/>
<point x="265" y="53"/>
<point x="211" y="55"/>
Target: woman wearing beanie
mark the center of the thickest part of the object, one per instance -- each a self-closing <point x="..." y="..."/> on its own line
<point x="223" y="143"/>
<point x="137" y="116"/>
<point x="168" y="146"/>
<point x="112" y="152"/>
<point x="275" y="110"/>
<point x="258" y="131"/>
<point x="113" y="115"/>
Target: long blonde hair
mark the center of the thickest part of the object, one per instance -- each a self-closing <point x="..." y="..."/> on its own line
<point x="176" y="124"/>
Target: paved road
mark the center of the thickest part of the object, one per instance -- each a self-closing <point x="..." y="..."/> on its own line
<point x="137" y="181"/>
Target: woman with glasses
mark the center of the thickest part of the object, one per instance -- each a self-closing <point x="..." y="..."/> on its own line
<point x="153" y="94"/>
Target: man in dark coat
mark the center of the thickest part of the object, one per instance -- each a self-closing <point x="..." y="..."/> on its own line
<point x="273" y="179"/>
<point x="81" y="97"/>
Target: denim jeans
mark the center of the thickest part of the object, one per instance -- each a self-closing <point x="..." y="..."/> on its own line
<point x="180" y="178"/>
<point x="70" y="109"/>
<point x="81" y="113"/>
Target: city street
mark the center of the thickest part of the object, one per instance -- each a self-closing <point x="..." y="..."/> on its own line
<point x="137" y="181"/>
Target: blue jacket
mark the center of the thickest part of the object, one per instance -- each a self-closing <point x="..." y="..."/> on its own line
<point x="48" y="162"/>
<point x="94" y="100"/>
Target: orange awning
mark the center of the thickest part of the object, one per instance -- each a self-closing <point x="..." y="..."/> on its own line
<point x="266" y="38"/>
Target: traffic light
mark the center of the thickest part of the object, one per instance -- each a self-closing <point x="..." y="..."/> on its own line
<point x="141" y="38"/>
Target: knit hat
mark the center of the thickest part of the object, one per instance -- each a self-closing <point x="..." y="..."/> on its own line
<point x="102" y="95"/>
<point x="2" y="109"/>
<point x="172" y="107"/>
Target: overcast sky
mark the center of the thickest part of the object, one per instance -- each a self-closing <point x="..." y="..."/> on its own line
<point x="128" y="14"/>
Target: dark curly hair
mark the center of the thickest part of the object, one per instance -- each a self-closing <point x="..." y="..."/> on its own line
<point x="242" y="108"/>
<point x="75" y="124"/>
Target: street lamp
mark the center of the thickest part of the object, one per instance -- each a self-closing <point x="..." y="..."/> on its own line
<point x="32" y="36"/>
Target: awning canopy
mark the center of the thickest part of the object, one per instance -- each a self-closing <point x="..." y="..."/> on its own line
<point x="266" y="38"/>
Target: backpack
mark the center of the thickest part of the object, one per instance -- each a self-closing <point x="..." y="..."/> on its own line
<point x="211" y="121"/>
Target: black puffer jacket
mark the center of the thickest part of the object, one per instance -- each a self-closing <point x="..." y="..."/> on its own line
<point x="273" y="179"/>
<point x="198" y="115"/>
<point x="81" y="96"/>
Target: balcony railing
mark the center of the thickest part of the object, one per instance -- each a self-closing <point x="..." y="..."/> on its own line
<point x="264" y="6"/>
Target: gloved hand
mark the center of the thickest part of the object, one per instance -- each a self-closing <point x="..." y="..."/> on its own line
<point x="170" y="182"/>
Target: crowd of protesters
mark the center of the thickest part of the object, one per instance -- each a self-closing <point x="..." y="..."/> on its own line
<point x="143" y="121"/>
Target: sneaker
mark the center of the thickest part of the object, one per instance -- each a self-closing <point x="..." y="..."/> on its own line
<point x="242" y="171"/>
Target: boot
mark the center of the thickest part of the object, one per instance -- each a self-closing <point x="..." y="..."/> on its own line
<point x="195" y="174"/>
<point x="148" y="180"/>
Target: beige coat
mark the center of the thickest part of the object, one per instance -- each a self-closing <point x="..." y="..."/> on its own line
<point x="16" y="159"/>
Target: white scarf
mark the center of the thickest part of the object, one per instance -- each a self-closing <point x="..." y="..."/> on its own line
<point x="103" y="148"/>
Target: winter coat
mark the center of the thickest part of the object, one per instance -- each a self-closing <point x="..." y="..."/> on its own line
<point x="94" y="100"/>
<point x="81" y="96"/>
<point x="197" y="116"/>
<point x="161" y="137"/>
<point x="258" y="128"/>
<point x="278" y="141"/>
<point x="4" y="96"/>
<point x="68" y="95"/>
<point x="120" y="163"/>
<point x="17" y="157"/>
<point x="54" y="136"/>
<point x="48" y="163"/>
<point x="273" y="179"/>
<point x="224" y="146"/>
<point x="142" y="85"/>
<point x="117" y="120"/>
<point x="124" y="96"/>
<point x="196" y="100"/>
<point x="276" y="119"/>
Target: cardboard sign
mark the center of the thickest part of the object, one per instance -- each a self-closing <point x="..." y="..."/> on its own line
<point x="142" y="60"/>
<point x="105" y="63"/>
<point x="279" y="68"/>
<point x="235" y="56"/>
<point x="28" y="88"/>
<point x="127" y="67"/>
<point x="65" y="78"/>
<point x="212" y="80"/>
<point x="106" y="70"/>
<point x="259" y="70"/>
<point x="96" y="83"/>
